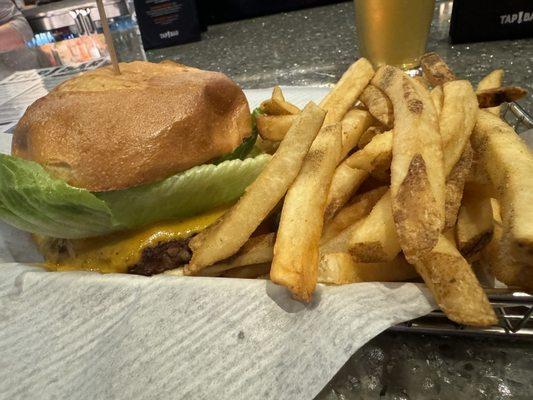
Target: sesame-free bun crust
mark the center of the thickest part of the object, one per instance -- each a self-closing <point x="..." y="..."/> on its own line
<point x="102" y="131"/>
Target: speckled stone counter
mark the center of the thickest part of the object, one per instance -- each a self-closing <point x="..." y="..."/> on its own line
<point x="315" y="46"/>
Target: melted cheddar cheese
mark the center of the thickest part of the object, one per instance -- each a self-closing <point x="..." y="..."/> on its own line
<point x="117" y="251"/>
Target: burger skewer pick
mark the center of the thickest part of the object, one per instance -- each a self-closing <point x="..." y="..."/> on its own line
<point x="107" y="36"/>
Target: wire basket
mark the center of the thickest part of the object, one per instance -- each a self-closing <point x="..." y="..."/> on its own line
<point x="513" y="308"/>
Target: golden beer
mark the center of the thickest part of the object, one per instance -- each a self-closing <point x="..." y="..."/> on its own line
<point x="393" y="32"/>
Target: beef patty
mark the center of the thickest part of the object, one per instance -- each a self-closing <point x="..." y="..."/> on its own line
<point x="162" y="257"/>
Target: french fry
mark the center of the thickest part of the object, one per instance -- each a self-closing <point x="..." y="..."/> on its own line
<point x="274" y="127"/>
<point x="455" y="183"/>
<point x="357" y="209"/>
<point x="248" y="271"/>
<point x="340" y="269"/>
<point x="266" y="146"/>
<point x="278" y="107"/>
<point x="456" y="121"/>
<point x="491" y="81"/>
<point x="375" y="239"/>
<point x="417" y="171"/>
<point x="509" y="165"/>
<point x="346" y="180"/>
<point x="475" y="224"/>
<point x="225" y="237"/>
<point x="511" y="272"/>
<point x="351" y="173"/>
<point x="295" y="263"/>
<point x="376" y="153"/>
<point x="437" y="97"/>
<point x="354" y="123"/>
<point x="423" y="81"/>
<point x="453" y="284"/>
<point x="175" y="272"/>
<point x="340" y="243"/>
<point x="494" y="97"/>
<point x="435" y="70"/>
<point x="277" y="94"/>
<point x="257" y="250"/>
<point x="343" y="96"/>
<point x="378" y="105"/>
<point x="368" y="135"/>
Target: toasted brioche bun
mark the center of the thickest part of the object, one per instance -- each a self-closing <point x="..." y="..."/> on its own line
<point x="102" y="131"/>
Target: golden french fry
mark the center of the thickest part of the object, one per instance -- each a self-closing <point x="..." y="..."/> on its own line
<point x="491" y="81"/>
<point x="423" y="81"/>
<point x="456" y="121"/>
<point x="340" y="243"/>
<point x="357" y="209"/>
<point x="417" y="171"/>
<point x="343" y="96"/>
<point x="351" y="173"/>
<point x="375" y="239"/>
<point x="509" y="165"/>
<point x="274" y="127"/>
<point x="175" y="272"/>
<point x="266" y="146"/>
<point x="346" y="180"/>
<point x="511" y="272"/>
<point x="224" y="238"/>
<point x="437" y="97"/>
<point x="354" y="123"/>
<point x="455" y="183"/>
<point x="248" y="271"/>
<point x="278" y="107"/>
<point x="378" y="105"/>
<point x="277" y="94"/>
<point x="453" y="284"/>
<point x="474" y="223"/>
<point x="435" y="70"/>
<point x="368" y="135"/>
<point x="376" y="153"/>
<point x="340" y="269"/>
<point x="295" y="262"/>
<point x="494" y="97"/>
<point x="257" y="250"/>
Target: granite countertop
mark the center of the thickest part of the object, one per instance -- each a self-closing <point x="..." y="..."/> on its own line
<point x="315" y="46"/>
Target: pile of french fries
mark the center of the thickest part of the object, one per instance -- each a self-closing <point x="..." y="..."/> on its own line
<point x="390" y="178"/>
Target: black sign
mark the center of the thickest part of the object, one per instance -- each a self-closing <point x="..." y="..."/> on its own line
<point x="165" y="23"/>
<point x="480" y="20"/>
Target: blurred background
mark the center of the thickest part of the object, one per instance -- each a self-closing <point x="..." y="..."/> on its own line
<point x="296" y="41"/>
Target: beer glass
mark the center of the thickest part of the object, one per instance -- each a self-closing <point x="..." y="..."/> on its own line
<point x="393" y="32"/>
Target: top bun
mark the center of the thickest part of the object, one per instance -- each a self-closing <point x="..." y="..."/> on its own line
<point x="100" y="131"/>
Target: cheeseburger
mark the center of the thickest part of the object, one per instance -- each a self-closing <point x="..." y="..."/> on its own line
<point x="115" y="173"/>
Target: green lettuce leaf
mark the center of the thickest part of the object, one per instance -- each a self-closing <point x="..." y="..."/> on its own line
<point x="188" y="193"/>
<point x="31" y="200"/>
